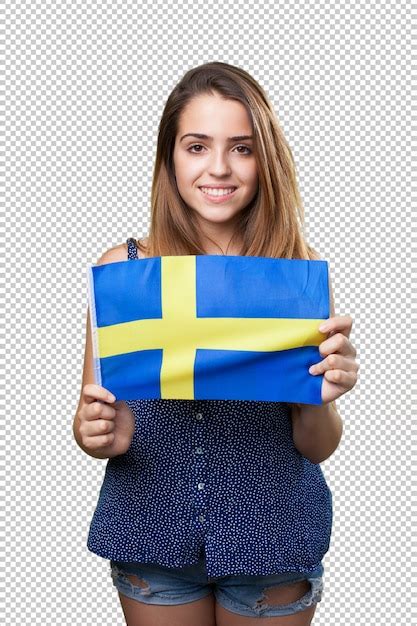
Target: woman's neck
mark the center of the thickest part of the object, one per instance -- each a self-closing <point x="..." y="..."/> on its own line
<point x="224" y="245"/>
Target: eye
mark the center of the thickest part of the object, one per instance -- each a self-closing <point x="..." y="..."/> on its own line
<point x="200" y="146"/>
<point x="193" y="146"/>
<point x="246" y="148"/>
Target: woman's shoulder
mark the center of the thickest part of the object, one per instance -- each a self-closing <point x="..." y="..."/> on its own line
<point x="141" y="255"/>
<point x="119" y="253"/>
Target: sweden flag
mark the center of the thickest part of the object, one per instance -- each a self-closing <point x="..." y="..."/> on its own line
<point x="209" y="327"/>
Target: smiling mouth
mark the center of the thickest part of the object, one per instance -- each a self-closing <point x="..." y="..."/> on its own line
<point x="217" y="192"/>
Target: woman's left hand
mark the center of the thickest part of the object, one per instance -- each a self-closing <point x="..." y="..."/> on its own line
<point x="339" y="365"/>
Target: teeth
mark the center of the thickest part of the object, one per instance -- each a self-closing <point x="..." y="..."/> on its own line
<point x="217" y="192"/>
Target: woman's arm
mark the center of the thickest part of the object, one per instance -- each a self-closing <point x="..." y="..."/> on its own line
<point x="317" y="429"/>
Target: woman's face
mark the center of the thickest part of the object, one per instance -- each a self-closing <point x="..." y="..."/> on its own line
<point x="222" y="158"/>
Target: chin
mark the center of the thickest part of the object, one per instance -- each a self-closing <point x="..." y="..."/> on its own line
<point x="216" y="217"/>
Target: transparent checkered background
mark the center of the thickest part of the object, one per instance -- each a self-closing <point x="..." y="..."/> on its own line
<point x="86" y="83"/>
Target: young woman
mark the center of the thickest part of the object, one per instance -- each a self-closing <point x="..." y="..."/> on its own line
<point x="217" y="512"/>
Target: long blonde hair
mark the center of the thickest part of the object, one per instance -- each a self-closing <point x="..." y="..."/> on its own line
<point x="271" y="225"/>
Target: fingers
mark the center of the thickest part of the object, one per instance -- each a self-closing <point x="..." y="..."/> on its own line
<point x="332" y="362"/>
<point x="98" y="424"/>
<point x="96" y="440"/>
<point x="92" y="393"/>
<point x="99" y="410"/>
<point x="96" y="416"/>
<point x="337" y="324"/>
<point x="337" y="343"/>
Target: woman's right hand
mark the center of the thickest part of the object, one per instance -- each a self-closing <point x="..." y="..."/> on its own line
<point x="105" y="428"/>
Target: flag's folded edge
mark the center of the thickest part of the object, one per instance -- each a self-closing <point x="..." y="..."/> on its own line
<point x="93" y="325"/>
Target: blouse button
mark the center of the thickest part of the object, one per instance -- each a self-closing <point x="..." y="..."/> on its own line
<point x="199" y="416"/>
<point x="199" y="450"/>
<point x="201" y="518"/>
<point x="200" y="486"/>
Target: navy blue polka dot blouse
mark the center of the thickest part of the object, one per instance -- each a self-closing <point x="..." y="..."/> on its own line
<point x="221" y="477"/>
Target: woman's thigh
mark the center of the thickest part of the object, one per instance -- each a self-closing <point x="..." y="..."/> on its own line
<point x="201" y="612"/>
<point x="227" y="617"/>
<point x="157" y="596"/>
<point x="290" y="597"/>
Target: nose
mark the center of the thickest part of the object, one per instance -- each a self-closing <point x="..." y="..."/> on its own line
<point x="219" y="164"/>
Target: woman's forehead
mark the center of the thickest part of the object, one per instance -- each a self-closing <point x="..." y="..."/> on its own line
<point x="214" y="117"/>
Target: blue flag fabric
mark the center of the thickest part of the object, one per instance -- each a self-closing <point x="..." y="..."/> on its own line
<point x="209" y="327"/>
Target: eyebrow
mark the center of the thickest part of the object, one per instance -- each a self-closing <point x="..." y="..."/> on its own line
<point x="202" y="136"/>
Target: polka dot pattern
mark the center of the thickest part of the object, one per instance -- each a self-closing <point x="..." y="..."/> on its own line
<point x="219" y="476"/>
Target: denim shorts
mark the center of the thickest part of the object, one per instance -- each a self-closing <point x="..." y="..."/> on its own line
<point x="242" y="594"/>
